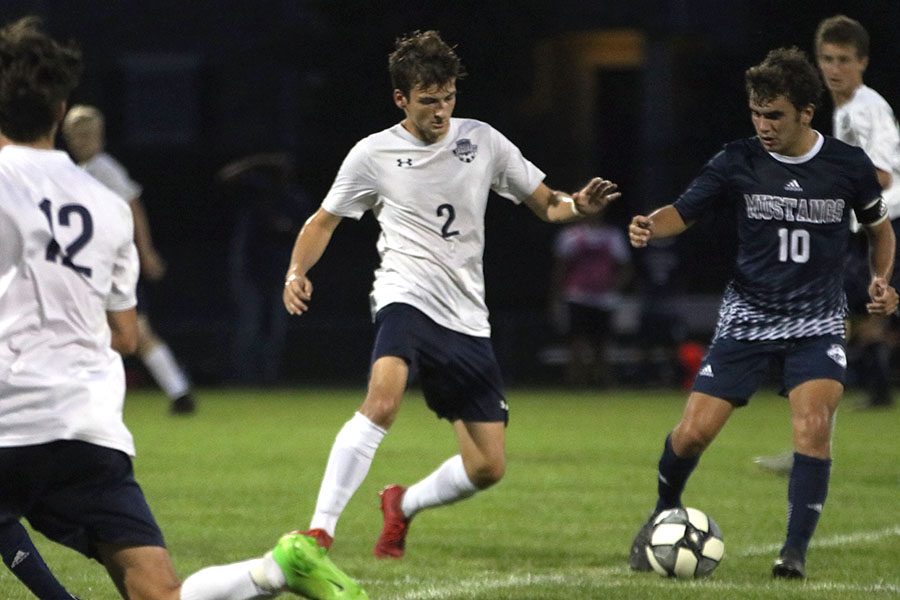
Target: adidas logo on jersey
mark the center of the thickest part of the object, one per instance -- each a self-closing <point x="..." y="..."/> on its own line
<point x="793" y="186"/>
<point x="706" y="371"/>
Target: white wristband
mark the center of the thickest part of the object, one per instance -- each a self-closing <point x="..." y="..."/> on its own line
<point x="572" y="205"/>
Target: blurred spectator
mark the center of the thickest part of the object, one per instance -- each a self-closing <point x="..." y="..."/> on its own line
<point x="84" y="131"/>
<point x="270" y="208"/>
<point x="592" y="265"/>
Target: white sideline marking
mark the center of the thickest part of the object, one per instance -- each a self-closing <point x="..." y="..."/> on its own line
<point x="621" y="577"/>
<point x="829" y="542"/>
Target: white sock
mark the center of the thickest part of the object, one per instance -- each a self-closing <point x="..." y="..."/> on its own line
<point x="228" y="582"/>
<point x="446" y="485"/>
<point x="348" y="464"/>
<point x="166" y="372"/>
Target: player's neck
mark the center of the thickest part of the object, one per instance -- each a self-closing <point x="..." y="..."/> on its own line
<point x="43" y="143"/>
<point x="842" y="98"/>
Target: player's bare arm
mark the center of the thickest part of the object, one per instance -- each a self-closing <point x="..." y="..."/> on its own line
<point x="124" y="328"/>
<point x="308" y="249"/>
<point x="661" y="223"/>
<point x="153" y="267"/>
<point x="558" y="207"/>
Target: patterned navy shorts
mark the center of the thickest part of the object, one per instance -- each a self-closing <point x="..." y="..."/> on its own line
<point x="734" y="369"/>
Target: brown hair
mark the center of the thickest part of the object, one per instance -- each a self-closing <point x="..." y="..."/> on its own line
<point x="424" y="59"/>
<point x="37" y="74"/>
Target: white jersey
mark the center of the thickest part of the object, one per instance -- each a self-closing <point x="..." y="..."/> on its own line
<point x="111" y="173"/>
<point x="66" y="258"/>
<point x="430" y="200"/>
<point x="867" y="121"/>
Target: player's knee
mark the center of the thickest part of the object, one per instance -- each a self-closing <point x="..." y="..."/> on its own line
<point x="487" y="474"/>
<point x="381" y="408"/>
<point x="688" y="440"/>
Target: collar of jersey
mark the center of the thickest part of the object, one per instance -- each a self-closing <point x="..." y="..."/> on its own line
<point x="796" y="160"/>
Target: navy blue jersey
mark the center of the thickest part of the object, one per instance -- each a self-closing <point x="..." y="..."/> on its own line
<point x="793" y="231"/>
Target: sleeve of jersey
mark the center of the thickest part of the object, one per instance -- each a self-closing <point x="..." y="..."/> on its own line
<point x="515" y="176"/>
<point x="868" y="206"/>
<point x="354" y="189"/>
<point x="883" y="142"/>
<point x="704" y="190"/>
<point x="114" y="176"/>
<point x="123" y="294"/>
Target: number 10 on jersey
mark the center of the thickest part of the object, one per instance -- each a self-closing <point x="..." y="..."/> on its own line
<point x="793" y="245"/>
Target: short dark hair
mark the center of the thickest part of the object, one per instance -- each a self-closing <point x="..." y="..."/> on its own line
<point x="785" y="72"/>
<point x="36" y="74"/>
<point x="841" y="29"/>
<point x="423" y="58"/>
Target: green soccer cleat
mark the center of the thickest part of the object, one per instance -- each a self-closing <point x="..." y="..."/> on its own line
<point x="310" y="573"/>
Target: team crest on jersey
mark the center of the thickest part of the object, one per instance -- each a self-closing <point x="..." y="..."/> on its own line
<point x="465" y="150"/>
<point x="836" y="353"/>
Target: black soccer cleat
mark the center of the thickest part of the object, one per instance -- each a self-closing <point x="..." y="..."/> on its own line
<point x="637" y="559"/>
<point x="183" y="405"/>
<point x="791" y="564"/>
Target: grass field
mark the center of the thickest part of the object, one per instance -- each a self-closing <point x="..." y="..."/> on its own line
<point x="227" y="482"/>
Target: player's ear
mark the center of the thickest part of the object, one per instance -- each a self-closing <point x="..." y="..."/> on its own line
<point x="806" y="115"/>
<point x="400" y="99"/>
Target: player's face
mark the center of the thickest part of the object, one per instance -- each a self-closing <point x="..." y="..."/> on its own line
<point x="842" y="68"/>
<point x="780" y="127"/>
<point x="84" y="140"/>
<point x="428" y="110"/>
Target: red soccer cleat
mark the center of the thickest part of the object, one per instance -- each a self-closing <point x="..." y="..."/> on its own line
<point x="320" y="535"/>
<point x="392" y="541"/>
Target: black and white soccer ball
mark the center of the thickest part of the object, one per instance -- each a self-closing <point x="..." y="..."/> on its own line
<point x="685" y="543"/>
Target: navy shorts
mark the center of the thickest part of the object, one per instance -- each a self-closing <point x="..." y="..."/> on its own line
<point x="734" y="369"/>
<point x="459" y="374"/>
<point x="76" y="493"/>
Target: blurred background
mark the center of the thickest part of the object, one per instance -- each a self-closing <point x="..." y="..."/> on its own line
<point x="642" y="92"/>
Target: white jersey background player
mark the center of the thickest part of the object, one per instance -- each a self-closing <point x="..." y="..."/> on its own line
<point x="863" y="118"/>
<point x="427" y="182"/>
<point x="84" y="131"/>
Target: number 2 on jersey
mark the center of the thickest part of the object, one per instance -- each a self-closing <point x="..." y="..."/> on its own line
<point x="64" y="218"/>
<point x="446" y="232"/>
<point x="793" y="245"/>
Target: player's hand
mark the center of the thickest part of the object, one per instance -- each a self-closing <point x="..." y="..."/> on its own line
<point x="640" y="230"/>
<point x="153" y="267"/>
<point x="884" y="298"/>
<point x="297" y="293"/>
<point x="593" y="198"/>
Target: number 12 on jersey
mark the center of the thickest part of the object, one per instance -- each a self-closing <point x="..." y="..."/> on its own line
<point x="64" y="218"/>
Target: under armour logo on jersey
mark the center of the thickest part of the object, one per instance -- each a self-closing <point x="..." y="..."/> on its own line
<point x="404" y="162"/>
<point x="793" y="186"/>
<point x="706" y="371"/>
<point x="465" y="150"/>
<point x="836" y="353"/>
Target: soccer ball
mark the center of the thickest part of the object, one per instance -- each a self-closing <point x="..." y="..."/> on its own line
<point x="685" y="543"/>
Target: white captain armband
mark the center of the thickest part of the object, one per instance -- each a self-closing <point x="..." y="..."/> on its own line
<point x="872" y="213"/>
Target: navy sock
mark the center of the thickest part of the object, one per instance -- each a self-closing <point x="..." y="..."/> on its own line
<point x="807" y="490"/>
<point x="673" y="475"/>
<point x="23" y="559"/>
